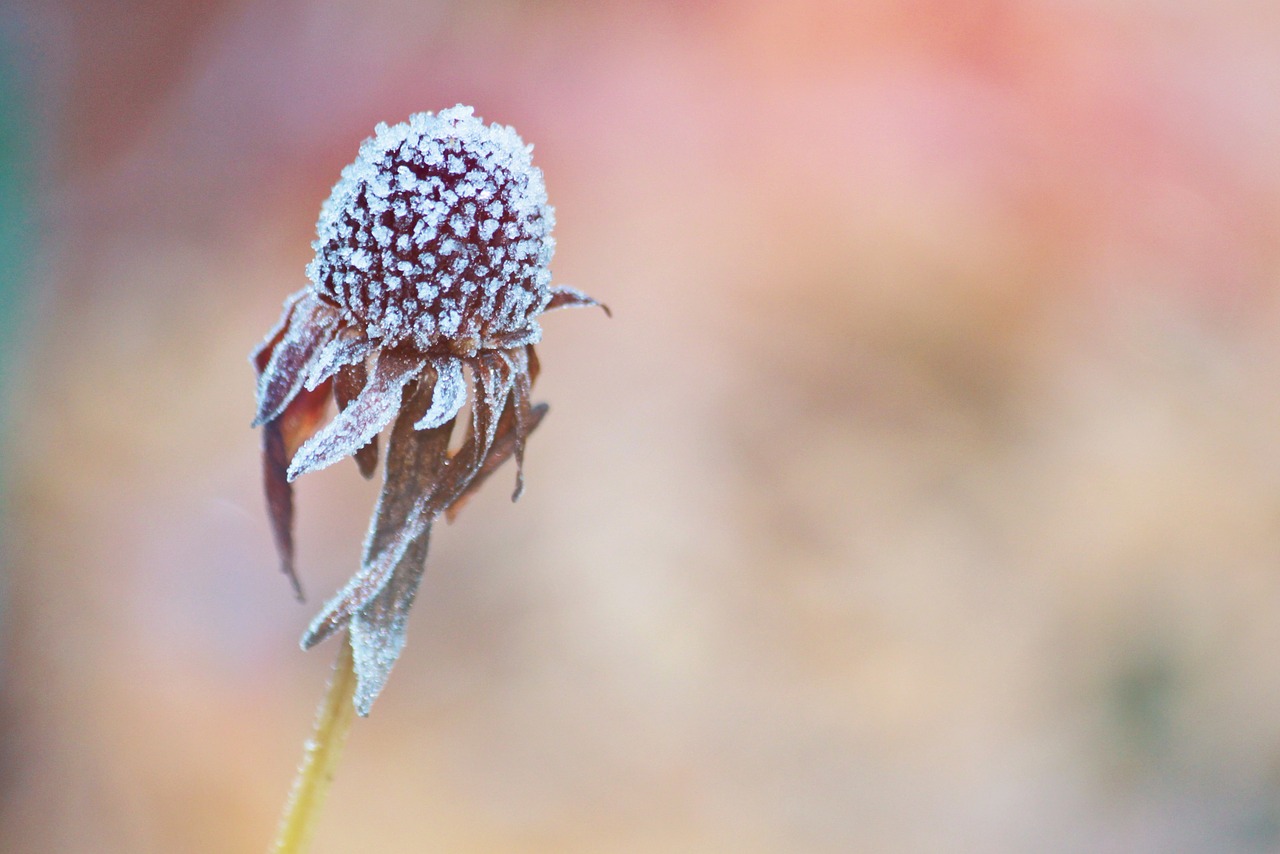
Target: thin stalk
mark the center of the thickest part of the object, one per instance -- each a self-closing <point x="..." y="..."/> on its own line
<point x="323" y="749"/>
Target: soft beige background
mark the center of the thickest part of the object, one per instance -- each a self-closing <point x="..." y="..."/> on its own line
<point x="922" y="495"/>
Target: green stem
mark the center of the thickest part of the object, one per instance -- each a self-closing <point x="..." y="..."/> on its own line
<point x="324" y="748"/>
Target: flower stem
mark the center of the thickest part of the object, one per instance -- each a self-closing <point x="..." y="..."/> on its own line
<point x="323" y="749"/>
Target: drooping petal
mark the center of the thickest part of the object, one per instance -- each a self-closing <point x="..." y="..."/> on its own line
<point x="503" y="448"/>
<point x="521" y="408"/>
<point x="309" y="327"/>
<point x="365" y="416"/>
<point x="414" y="460"/>
<point x="280" y="439"/>
<point x="534" y="367"/>
<point x="449" y="396"/>
<point x="348" y="382"/>
<point x="571" y="297"/>
<point x="378" y="629"/>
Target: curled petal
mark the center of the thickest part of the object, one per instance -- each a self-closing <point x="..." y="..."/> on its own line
<point x="571" y="297"/>
<point x="365" y="416"/>
<point x="449" y="396"/>
<point x="309" y="327"/>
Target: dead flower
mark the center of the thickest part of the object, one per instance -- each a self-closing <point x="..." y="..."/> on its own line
<point x="432" y="257"/>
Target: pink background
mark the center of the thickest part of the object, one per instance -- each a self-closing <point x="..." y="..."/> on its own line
<point x="922" y="495"/>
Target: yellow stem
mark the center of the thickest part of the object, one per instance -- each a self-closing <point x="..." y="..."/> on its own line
<point x="328" y="735"/>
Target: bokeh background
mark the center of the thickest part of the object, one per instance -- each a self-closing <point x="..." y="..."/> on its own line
<point x="923" y="493"/>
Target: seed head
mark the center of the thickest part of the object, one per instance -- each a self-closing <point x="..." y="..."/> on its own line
<point x="440" y="231"/>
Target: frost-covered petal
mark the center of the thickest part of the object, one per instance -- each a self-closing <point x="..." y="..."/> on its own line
<point x="262" y="353"/>
<point x="378" y="629"/>
<point x="414" y="461"/>
<point x="521" y="410"/>
<point x="365" y="417"/>
<point x="449" y="396"/>
<point x="343" y="350"/>
<point x="563" y="297"/>
<point x="309" y="328"/>
<point x="348" y="382"/>
<point x="447" y="484"/>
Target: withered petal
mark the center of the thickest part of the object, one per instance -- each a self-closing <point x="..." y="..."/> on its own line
<point x="280" y="439"/>
<point x="341" y="351"/>
<point x="348" y="382"/>
<point x="365" y="416"/>
<point x="414" y="460"/>
<point x="521" y="406"/>
<point x="378" y="628"/>
<point x="449" y="396"/>
<point x="503" y="447"/>
<point x="262" y="353"/>
<point x="309" y="328"/>
<point x="563" y="297"/>
<point x="387" y="546"/>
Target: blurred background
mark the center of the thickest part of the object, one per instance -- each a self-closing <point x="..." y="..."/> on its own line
<point x="923" y="493"/>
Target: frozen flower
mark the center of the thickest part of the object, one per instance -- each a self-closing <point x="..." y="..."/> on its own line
<point x="432" y="264"/>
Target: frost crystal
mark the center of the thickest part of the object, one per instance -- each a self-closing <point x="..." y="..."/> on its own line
<point x="437" y="186"/>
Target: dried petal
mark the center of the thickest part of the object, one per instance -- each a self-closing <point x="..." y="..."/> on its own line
<point x="521" y="408"/>
<point x="280" y="440"/>
<point x="365" y="417"/>
<point x="262" y="353"/>
<point x="563" y="297"/>
<point x="343" y="350"/>
<point x="503" y="447"/>
<point x="347" y="385"/>
<point x="378" y="629"/>
<point x="387" y="545"/>
<point x="449" y="396"/>
<point x="414" y="461"/>
<point x="309" y="328"/>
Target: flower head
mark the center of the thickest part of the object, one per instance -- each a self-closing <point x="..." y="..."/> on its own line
<point x="432" y="262"/>
<point x="439" y="232"/>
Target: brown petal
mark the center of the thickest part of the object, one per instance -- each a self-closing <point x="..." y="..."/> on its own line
<point x="348" y="382"/>
<point x="365" y="416"/>
<point x="262" y="353"/>
<point x="309" y="328"/>
<point x="571" y="297"/>
<point x="280" y="439"/>
<point x="415" y="459"/>
<point x="503" y="447"/>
